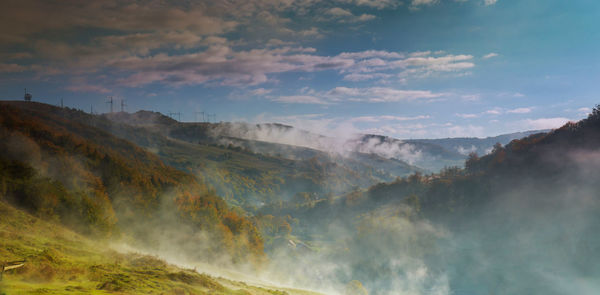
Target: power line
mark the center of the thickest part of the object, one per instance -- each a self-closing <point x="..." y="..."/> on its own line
<point x="171" y="114"/>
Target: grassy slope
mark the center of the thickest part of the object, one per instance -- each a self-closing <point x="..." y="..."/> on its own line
<point x="60" y="261"/>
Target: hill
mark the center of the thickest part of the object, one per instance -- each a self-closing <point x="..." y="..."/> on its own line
<point x="60" y="261"/>
<point x="522" y="219"/>
<point x="248" y="171"/>
<point x="100" y="185"/>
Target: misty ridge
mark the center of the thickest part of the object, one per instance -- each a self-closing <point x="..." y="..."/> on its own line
<point x="276" y="206"/>
<point x="288" y="141"/>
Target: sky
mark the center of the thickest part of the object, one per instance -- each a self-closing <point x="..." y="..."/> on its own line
<point x="406" y="69"/>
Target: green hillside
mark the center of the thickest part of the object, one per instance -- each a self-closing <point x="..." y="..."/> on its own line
<point x="100" y="185"/>
<point x="60" y="261"/>
<point x="511" y="222"/>
<point x="246" y="173"/>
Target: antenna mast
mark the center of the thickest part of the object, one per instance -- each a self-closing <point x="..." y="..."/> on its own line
<point x="27" y="96"/>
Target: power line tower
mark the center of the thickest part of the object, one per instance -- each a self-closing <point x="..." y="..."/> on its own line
<point x="197" y="113"/>
<point x="110" y="101"/>
<point x="171" y="114"/>
<point x="123" y="105"/>
<point x="61" y="103"/>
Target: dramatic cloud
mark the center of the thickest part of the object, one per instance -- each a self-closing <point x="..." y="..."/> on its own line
<point x="41" y="16"/>
<point x="221" y="63"/>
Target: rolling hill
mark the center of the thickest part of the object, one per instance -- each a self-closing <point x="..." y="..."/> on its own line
<point x="468" y="231"/>
<point x="103" y="186"/>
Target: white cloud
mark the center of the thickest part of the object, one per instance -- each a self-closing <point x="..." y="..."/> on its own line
<point x="339" y="12"/>
<point x="344" y="15"/>
<point x="379" y="94"/>
<point x="471" y="97"/>
<point x="374" y="119"/>
<point x="300" y="99"/>
<point x="490" y="2"/>
<point x="222" y="64"/>
<point x="543" y="123"/>
<point x="519" y="111"/>
<point x="493" y="112"/>
<point x="355" y="77"/>
<point x="417" y="3"/>
<point x="261" y="91"/>
<point x="372" y="54"/>
<point x="490" y="55"/>
<point x="467" y="116"/>
<point x="347" y="94"/>
<point x="496" y="112"/>
<point x="379" y="4"/>
<point x="584" y="111"/>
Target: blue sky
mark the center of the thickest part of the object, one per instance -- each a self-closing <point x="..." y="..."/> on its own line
<point x="407" y="69"/>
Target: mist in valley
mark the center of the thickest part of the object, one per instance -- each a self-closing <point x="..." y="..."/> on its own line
<point x="347" y="147"/>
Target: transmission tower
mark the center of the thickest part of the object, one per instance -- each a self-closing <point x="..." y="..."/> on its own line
<point x="171" y="114"/>
<point x="110" y="101"/>
<point x="213" y="116"/>
<point x="197" y="113"/>
<point x="123" y="105"/>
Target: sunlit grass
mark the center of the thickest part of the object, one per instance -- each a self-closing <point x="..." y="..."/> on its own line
<point x="60" y="261"/>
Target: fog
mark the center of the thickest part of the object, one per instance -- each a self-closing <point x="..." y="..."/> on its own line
<point x="538" y="236"/>
<point x="341" y="143"/>
<point x="528" y="226"/>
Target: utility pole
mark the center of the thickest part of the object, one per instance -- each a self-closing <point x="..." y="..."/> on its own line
<point x="110" y="102"/>
<point x="123" y="105"/>
<point x="61" y="103"/>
